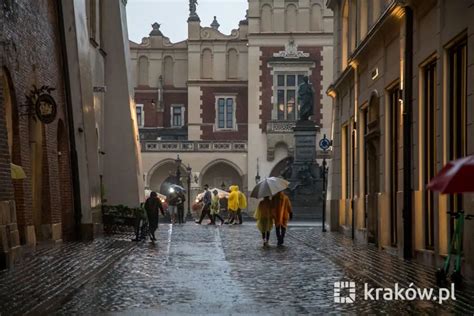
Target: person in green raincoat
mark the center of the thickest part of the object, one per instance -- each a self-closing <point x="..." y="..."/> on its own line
<point x="216" y="206"/>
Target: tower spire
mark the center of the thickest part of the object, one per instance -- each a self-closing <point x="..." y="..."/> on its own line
<point x="215" y="25"/>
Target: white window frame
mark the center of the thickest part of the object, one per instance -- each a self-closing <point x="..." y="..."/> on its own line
<point x="234" y="111"/>
<point x="183" y="109"/>
<point x="287" y="68"/>
<point x="286" y="88"/>
<point x="142" y="121"/>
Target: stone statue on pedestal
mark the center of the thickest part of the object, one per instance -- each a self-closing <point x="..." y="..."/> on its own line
<point x="306" y="97"/>
<point x="192" y="7"/>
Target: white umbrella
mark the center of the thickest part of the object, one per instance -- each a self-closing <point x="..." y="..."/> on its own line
<point x="269" y="187"/>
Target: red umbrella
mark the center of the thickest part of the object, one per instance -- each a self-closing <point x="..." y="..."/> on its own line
<point x="456" y="177"/>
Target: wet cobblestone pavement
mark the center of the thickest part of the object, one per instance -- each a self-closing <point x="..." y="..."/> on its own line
<point x="224" y="270"/>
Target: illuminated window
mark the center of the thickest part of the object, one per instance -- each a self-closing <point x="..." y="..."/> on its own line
<point x="287" y="95"/>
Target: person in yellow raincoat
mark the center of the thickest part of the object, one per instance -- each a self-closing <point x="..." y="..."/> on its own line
<point x="242" y="205"/>
<point x="264" y="217"/>
<point x="282" y="212"/>
<point x="216" y="206"/>
<point x="233" y="203"/>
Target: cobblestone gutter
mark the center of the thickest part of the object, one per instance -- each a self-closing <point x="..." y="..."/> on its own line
<point x="51" y="274"/>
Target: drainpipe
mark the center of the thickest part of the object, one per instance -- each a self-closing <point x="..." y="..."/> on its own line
<point x="407" y="134"/>
<point x="69" y="116"/>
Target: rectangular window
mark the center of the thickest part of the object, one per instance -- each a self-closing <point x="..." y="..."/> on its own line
<point x="177" y="116"/>
<point x="429" y="105"/>
<point x="394" y="134"/>
<point x="457" y="112"/>
<point x="140" y="115"/>
<point x="225" y="113"/>
<point x="287" y="107"/>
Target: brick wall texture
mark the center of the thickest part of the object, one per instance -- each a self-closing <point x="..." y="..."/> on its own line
<point x="31" y="55"/>
<point x="208" y="113"/>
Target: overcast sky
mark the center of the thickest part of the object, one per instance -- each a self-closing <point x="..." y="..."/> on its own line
<point x="173" y="14"/>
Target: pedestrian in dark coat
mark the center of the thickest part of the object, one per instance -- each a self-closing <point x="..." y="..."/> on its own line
<point x="152" y="207"/>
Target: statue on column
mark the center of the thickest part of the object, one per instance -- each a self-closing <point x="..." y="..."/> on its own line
<point x="192" y="7"/>
<point x="306" y="98"/>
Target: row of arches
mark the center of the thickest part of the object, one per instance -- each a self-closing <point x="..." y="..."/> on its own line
<point x="207" y="64"/>
<point x="267" y="23"/>
<point x="143" y="71"/>
<point x="216" y="174"/>
<point x="207" y="67"/>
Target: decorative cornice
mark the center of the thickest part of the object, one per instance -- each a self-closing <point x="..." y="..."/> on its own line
<point x="291" y="52"/>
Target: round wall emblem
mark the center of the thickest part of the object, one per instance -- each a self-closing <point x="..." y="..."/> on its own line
<point x="46" y="108"/>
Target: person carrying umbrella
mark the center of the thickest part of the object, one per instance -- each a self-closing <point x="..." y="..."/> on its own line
<point x="280" y="203"/>
<point x="152" y="206"/>
<point x="206" y="208"/>
<point x="282" y="212"/>
<point x="264" y="217"/>
<point x="216" y="206"/>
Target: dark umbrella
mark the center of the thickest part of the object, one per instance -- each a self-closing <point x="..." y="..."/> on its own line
<point x="456" y="177"/>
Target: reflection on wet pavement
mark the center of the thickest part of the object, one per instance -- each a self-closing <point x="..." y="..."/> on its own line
<point x="225" y="270"/>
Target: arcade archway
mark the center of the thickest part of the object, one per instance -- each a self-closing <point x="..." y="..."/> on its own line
<point x="221" y="174"/>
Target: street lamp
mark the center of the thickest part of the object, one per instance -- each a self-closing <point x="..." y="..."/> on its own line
<point x="257" y="177"/>
<point x="324" y="144"/>
<point x="178" y="170"/>
<point x="189" y="174"/>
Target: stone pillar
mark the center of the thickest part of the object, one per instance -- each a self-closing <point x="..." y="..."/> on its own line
<point x="305" y="182"/>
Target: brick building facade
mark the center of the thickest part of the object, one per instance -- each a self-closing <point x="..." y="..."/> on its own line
<point x="241" y="93"/>
<point x="41" y="70"/>
<point x="42" y="150"/>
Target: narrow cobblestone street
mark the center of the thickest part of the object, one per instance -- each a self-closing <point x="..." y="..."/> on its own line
<point x="214" y="270"/>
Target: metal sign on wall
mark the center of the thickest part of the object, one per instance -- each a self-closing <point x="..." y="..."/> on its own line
<point x="41" y="104"/>
<point x="46" y="108"/>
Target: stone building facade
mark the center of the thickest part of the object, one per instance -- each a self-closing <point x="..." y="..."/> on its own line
<point x="227" y="103"/>
<point x="43" y="58"/>
<point x="401" y="93"/>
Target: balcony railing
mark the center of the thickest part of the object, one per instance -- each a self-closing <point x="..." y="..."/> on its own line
<point x="280" y="126"/>
<point x="193" y="146"/>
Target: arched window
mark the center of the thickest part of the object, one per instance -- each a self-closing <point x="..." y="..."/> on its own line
<point x="316" y="18"/>
<point x="291" y="17"/>
<point x="266" y="19"/>
<point x="344" y="35"/>
<point x="168" y="70"/>
<point x="143" y="71"/>
<point x="206" y="64"/>
<point x="232" y="64"/>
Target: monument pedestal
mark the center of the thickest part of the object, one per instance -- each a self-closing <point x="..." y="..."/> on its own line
<point x="306" y="183"/>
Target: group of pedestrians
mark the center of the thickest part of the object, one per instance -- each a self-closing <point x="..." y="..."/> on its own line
<point x="275" y="210"/>
<point x="271" y="211"/>
<point x="211" y="206"/>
